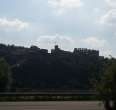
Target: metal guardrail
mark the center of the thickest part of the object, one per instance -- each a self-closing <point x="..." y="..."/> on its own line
<point x="50" y="93"/>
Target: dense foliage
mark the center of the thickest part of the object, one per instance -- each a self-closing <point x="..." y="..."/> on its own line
<point x="5" y="73"/>
<point x="34" y="68"/>
<point x="107" y="85"/>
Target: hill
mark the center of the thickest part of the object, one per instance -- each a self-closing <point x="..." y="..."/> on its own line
<point x="34" y="68"/>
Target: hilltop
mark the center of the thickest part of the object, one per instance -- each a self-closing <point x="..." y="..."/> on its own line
<point x="34" y="68"/>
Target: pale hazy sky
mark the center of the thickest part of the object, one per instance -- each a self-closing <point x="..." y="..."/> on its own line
<point x="69" y="23"/>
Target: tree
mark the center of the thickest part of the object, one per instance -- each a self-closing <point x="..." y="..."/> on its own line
<point x="107" y="86"/>
<point x="5" y="75"/>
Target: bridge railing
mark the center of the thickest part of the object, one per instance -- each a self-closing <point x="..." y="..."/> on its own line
<point x="51" y="92"/>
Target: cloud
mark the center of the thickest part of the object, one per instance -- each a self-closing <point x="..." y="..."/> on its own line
<point x="109" y="18"/>
<point x="14" y="24"/>
<point x="94" y="42"/>
<point x="63" y="5"/>
<point x="48" y="41"/>
<point x="111" y="3"/>
<point x="97" y="43"/>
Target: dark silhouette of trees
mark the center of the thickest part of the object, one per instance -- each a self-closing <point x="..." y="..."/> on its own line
<point x="5" y="75"/>
<point x="107" y="86"/>
<point x="35" y="68"/>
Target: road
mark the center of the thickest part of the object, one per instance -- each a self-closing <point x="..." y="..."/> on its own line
<point x="52" y="105"/>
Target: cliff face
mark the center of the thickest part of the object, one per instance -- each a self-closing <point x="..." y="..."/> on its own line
<point x="35" y="68"/>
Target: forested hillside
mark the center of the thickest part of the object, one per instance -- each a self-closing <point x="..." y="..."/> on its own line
<point x="34" y="68"/>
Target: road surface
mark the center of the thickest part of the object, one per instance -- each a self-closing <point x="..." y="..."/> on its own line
<point x="52" y="105"/>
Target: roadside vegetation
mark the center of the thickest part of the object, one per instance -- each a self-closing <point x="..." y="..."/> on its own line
<point x="107" y="86"/>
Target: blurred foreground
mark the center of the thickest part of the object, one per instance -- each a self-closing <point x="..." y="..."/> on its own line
<point x="52" y="105"/>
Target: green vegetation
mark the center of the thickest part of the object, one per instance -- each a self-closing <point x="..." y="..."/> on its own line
<point x="36" y="69"/>
<point x="5" y="73"/>
<point x="107" y="86"/>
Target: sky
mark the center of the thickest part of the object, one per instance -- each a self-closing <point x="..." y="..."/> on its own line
<point x="68" y="23"/>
